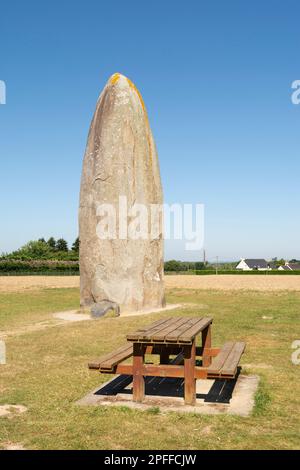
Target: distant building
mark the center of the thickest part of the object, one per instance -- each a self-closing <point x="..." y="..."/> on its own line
<point x="253" y="264"/>
<point x="290" y="267"/>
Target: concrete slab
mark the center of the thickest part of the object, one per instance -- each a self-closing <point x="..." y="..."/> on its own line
<point x="148" y="311"/>
<point x="75" y="315"/>
<point x="11" y="446"/>
<point x="213" y="396"/>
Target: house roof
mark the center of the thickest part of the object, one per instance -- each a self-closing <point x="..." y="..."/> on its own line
<point x="256" y="263"/>
<point x="294" y="266"/>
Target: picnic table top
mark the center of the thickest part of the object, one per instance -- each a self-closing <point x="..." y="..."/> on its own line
<point x="174" y="330"/>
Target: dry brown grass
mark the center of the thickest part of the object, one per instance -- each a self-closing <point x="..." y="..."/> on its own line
<point x="232" y="282"/>
<point x="220" y="282"/>
<point x="27" y="283"/>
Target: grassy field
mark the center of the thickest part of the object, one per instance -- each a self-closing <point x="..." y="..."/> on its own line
<point x="47" y="372"/>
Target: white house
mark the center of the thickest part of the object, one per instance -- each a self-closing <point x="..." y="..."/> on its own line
<point x="247" y="264"/>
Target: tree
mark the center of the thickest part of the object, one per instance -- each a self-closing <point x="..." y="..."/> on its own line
<point x="42" y="240"/>
<point x="199" y="265"/>
<point x="52" y="243"/>
<point x="32" y="250"/>
<point x="172" y="265"/>
<point x="281" y="262"/>
<point x="61" y="245"/>
<point x="75" y="246"/>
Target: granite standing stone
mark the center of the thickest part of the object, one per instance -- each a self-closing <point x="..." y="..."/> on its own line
<point x="120" y="160"/>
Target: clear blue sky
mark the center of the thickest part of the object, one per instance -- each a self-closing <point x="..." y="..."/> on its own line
<point x="216" y="79"/>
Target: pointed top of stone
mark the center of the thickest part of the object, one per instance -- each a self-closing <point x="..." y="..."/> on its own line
<point x="119" y="80"/>
<point x="122" y="84"/>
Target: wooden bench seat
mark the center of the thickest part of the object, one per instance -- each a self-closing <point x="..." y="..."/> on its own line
<point x="108" y="363"/>
<point x="225" y="364"/>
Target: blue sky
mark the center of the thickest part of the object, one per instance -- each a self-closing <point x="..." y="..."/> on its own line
<point x="216" y="79"/>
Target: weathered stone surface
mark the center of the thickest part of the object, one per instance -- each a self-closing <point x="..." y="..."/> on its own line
<point x="102" y="308"/>
<point x="120" y="160"/>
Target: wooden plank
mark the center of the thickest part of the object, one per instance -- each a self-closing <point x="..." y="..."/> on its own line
<point x="137" y="373"/>
<point x="134" y="336"/>
<point x="124" y="369"/>
<point x="233" y="359"/>
<point x="189" y="334"/>
<point x="176" y="371"/>
<point x="157" y="381"/>
<point x="173" y="336"/>
<point x="116" y="356"/>
<point x="212" y="352"/>
<point x="170" y="370"/>
<point x="167" y="370"/>
<point x="125" y="350"/>
<point x="110" y="363"/>
<point x="189" y="374"/>
<point x="143" y="332"/>
<point x="160" y="371"/>
<point x="149" y="334"/>
<point x="206" y="344"/>
<point x="153" y="370"/>
<point x="160" y="335"/>
<point x="219" y="360"/>
<point x="200" y="372"/>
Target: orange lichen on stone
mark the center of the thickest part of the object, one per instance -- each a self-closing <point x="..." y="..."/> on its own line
<point x="114" y="78"/>
<point x="132" y="85"/>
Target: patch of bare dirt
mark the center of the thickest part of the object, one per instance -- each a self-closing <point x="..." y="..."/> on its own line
<point x="59" y="319"/>
<point x="9" y="411"/>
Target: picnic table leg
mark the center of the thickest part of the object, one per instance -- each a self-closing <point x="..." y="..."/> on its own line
<point x="206" y="343"/>
<point x="138" y="378"/>
<point x="189" y="374"/>
<point x="164" y="356"/>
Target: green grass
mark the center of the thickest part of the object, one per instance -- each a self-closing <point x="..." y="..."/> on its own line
<point x="47" y="372"/>
<point x="262" y="399"/>
<point x="21" y="309"/>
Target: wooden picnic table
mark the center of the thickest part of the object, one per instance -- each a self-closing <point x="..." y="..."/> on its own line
<point x="164" y="334"/>
<point x="176" y="336"/>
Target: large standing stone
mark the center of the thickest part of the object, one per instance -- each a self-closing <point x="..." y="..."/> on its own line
<point x="120" y="160"/>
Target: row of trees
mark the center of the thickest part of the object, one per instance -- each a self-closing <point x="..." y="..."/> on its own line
<point x="174" y="265"/>
<point x="61" y="244"/>
<point x="53" y="249"/>
<point x="281" y="262"/>
<point x="46" y="250"/>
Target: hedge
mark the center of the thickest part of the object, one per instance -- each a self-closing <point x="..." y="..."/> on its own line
<point x="38" y="267"/>
<point x="52" y="267"/>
